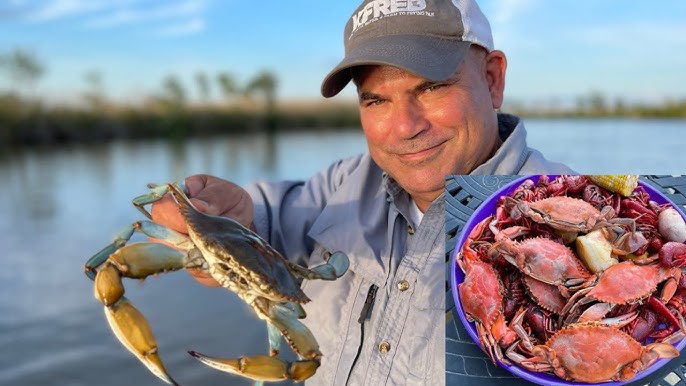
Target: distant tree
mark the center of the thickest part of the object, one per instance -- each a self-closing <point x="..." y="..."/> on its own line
<point x="597" y="102"/>
<point x="23" y="67"/>
<point x="266" y="84"/>
<point x="227" y="85"/>
<point x="94" y="94"/>
<point x="203" y="84"/>
<point x="581" y="105"/>
<point x="174" y="93"/>
<point x="620" y="107"/>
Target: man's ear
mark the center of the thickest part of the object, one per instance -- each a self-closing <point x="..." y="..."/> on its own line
<point x="495" y="66"/>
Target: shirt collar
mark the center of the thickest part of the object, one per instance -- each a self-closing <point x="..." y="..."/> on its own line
<point x="512" y="154"/>
<point x="401" y="199"/>
<point x="397" y="195"/>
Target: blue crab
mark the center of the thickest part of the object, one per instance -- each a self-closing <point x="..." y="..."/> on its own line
<point x="234" y="256"/>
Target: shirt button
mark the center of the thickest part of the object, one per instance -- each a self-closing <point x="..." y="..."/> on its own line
<point x="384" y="347"/>
<point x="410" y="230"/>
<point x="403" y="285"/>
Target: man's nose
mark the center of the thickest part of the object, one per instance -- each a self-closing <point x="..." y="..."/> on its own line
<point x="409" y="119"/>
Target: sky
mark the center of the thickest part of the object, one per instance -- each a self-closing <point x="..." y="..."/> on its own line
<point x="556" y="49"/>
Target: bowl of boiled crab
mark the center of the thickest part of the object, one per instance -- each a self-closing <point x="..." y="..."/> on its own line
<point x="574" y="279"/>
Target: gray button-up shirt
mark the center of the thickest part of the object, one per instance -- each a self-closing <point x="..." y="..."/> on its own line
<point x="354" y="207"/>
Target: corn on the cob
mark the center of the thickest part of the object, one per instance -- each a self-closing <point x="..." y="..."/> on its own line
<point x="623" y="184"/>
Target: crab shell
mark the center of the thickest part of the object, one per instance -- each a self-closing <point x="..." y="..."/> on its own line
<point x="250" y="265"/>
<point x="598" y="353"/>
<point x="643" y="280"/>
<point x="481" y="296"/>
<point x="545" y="295"/>
<point x="560" y="212"/>
<point x="544" y="260"/>
<point x="481" y="293"/>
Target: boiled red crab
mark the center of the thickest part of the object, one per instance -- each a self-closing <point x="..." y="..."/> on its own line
<point x="481" y="296"/>
<point x="609" y="288"/>
<point x="560" y="212"/>
<point x="544" y="260"/>
<point x="572" y="354"/>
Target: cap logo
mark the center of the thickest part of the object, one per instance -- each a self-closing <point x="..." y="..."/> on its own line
<point x="377" y="9"/>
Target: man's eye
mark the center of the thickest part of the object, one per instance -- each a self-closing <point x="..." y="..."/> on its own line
<point x="433" y="87"/>
<point x="374" y="102"/>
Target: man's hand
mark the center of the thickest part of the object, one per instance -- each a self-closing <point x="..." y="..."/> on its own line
<point x="210" y="195"/>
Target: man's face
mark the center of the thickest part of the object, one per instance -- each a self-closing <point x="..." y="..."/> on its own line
<point x="419" y="131"/>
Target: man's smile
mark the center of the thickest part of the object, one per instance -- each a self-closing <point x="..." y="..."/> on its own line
<point x="422" y="155"/>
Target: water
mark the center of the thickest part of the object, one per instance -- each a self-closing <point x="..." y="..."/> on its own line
<point x="597" y="146"/>
<point x="59" y="206"/>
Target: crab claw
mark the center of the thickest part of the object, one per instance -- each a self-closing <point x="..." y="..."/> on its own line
<point x="335" y="266"/>
<point x="339" y="262"/>
<point x="134" y="332"/>
<point x="261" y="367"/>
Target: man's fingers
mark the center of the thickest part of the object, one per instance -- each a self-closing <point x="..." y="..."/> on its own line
<point x="202" y="206"/>
<point x="196" y="183"/>
<point x="218" y="197"/>
<point x="203" y="277"/>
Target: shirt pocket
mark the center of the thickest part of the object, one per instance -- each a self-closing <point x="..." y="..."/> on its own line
<point x="430" y="287"/>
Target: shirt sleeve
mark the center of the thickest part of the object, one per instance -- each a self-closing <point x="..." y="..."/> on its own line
<point x="285" y="210"/>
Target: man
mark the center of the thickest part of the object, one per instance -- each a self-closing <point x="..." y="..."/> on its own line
<point x="429" y="82"/>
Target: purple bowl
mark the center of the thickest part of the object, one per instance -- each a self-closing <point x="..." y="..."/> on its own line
<point x="486" y="209"/>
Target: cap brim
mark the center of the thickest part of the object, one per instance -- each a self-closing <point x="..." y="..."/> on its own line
<point x="432" y="58"/>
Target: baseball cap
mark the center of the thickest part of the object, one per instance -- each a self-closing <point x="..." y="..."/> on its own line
<point x="429" y="38"/>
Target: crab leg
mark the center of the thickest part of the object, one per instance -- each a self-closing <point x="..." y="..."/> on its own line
<point x="261" y="367"/>
<point x="284" y="321"/>
<point x="274" y="335"/>
<point x="148" y="228"/>
<point x="156" y="193"/>
<point x="296" y="334"/>
<point x="121" y="238"/>
<point x="134" y="332"/>
<point x="128" y="324"/>
<point x="138" y="261"/>
<point x="294" y="310"/>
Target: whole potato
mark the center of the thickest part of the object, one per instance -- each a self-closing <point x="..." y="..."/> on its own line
<point x="671" y="225"/>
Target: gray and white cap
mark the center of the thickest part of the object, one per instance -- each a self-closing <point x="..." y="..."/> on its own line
<point x="429" y="38"/>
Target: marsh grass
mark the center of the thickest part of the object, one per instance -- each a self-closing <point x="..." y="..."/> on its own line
<point x="26" y="123"/>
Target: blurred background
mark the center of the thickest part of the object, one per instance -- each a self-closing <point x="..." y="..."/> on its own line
<point x="99" y="98"/>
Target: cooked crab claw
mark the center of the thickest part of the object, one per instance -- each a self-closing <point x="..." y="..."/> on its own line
<point x="133" y="331"/>
<point x="261" y="367"/>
